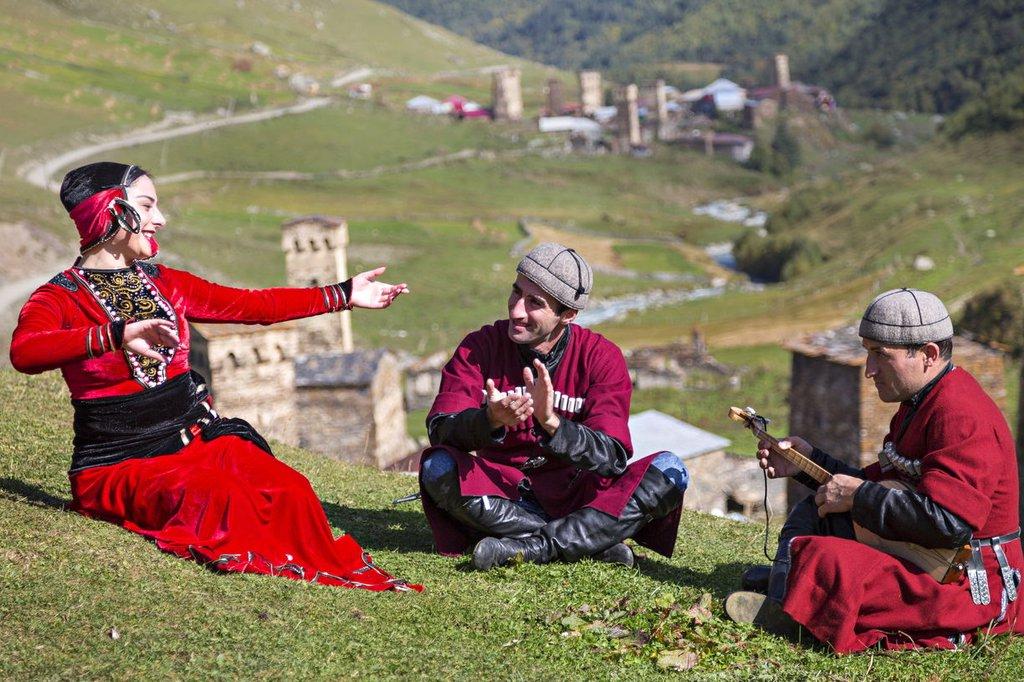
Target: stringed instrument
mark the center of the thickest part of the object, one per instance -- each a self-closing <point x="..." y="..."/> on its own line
<point x="945" y="565"/>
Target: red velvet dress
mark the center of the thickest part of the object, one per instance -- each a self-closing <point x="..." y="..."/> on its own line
<point x="224" y="502"/>
<point x="853" y="596"/>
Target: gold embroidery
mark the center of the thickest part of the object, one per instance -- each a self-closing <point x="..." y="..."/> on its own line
<point x="125" y="296"/>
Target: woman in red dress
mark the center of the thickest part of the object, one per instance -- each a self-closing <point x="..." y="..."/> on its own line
<point x="150" y="452"/>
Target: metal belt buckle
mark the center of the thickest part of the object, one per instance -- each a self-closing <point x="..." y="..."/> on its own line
<point x="534" y="463"/>
<point x="977" y="577"/>
<point x="1009" y="584"/>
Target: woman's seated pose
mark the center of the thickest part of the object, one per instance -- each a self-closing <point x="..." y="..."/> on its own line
<point x="150" y="452"/>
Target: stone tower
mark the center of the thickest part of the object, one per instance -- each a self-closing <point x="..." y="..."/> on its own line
<point x="629" y="118"/>
<point x="782" y="72"/>
<point x="833" y="405"/>
<point x="655" y="99"/>
<point x="590" y="92"/>
<point x="556" y="97"/>
<point x="315" y="255"/>
<point x="507" y="95"/>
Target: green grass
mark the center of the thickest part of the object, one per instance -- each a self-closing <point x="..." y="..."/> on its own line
<point x="654" y="258"/>
<point x="68" y="582"/>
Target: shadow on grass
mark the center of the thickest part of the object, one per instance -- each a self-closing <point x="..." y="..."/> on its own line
<point x="20" y="491"/>
<point x="720" y="582"/>
<point x="400" y="530"/>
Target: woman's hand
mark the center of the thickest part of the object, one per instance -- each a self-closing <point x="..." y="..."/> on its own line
<point x="369" y="293"/>
<point x="141" y="337"/>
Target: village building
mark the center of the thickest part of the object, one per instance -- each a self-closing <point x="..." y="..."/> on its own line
<point x="301" y="382"/>
<point x="678" y="364"/>
<point x="356" y="404"/>
<point x="835" y="407"/>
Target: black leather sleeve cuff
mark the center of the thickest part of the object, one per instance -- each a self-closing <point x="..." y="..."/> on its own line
<point x="908" y="516"/>
<point x="466" y="430"/>
<point x="585" y="448"/>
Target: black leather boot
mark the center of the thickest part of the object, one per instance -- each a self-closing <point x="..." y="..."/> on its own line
<point x="487" y="514"/>
<point x="585" y="532"/>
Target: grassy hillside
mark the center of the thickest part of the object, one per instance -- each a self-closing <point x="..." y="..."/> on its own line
<point x="70" y="582"/>
<point x="81" y="67"/>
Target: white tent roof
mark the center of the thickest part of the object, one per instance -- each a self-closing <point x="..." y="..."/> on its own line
<point x="653" y="431"/>
<point x="721" y="85"/>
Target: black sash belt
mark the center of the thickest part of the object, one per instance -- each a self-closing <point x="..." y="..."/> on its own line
<point x="977" y="576"/>
<point x="157" y="421"/>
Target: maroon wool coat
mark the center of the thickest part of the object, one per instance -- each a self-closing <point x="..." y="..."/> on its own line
<point x="595" y="390"/>
<point x="852" y="596"/>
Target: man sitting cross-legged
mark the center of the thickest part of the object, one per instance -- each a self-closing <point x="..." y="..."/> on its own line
<point x="947" y="476"/>
<point x="543" y="403"/>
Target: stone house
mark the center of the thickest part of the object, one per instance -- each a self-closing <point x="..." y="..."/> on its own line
<point x="833" y="405"/>
<point x="300" y="382"/>
<point x="352" y="406"/>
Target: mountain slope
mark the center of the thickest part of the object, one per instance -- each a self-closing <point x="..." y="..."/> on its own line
<point x="930" y="56"/>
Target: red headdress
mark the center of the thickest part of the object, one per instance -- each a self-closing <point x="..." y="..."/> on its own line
<point x="99" y="216"/>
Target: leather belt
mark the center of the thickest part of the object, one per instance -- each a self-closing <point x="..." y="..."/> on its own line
<point x="978" y="577"/>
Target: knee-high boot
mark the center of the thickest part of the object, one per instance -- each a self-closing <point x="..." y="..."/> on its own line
<point x="487" y="514"/>
<point x="586" y="531"/>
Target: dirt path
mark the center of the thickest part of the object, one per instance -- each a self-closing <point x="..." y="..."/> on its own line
<point x="40" y="173"/>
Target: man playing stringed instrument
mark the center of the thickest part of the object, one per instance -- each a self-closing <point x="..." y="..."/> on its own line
<point x="946" y="477"/>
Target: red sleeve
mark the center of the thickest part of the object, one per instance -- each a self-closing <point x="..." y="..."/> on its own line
<point x="958" y="472"/>
<point x="44" y="339"/>
<point x="208" y="302"/>
<point x="609" y="395"/>
<point x="462" y="380"/>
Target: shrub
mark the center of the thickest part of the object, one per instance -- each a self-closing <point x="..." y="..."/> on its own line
<point x="880" y="135"/>
<point x="996" y="315"/>
<point x="776" y="258"/>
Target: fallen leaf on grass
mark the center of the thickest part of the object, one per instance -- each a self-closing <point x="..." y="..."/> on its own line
<point x="572" y="622"/>
<point x="677" y="659"/>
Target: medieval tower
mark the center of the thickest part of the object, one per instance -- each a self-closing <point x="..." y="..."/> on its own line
<point x="590" y="92"/>
<point x="507" y="95"/>
<point x="629" y="118"/>
<point x="315" y="255"/>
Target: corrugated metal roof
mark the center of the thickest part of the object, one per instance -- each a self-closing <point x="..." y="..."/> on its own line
<point x="652" y="431"/>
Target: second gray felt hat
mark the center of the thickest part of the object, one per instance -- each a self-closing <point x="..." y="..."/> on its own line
<point x="559" y="271"/>
<point x="906" y="317"/>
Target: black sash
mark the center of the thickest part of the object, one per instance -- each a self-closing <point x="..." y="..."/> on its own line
<point x="157" y="421"/>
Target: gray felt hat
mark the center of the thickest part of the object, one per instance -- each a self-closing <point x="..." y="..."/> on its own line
<point x="906" y="317"/>
<point x="561" y="272"/>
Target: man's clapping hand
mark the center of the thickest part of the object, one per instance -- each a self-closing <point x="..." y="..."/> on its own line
<point x="507" y="410"/>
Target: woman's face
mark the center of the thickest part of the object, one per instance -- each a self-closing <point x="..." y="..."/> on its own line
<point x="142" y="196"/>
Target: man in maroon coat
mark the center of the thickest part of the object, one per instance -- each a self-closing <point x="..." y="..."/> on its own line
<point x="530" y="445"/>
<point x="947" y="440"/>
